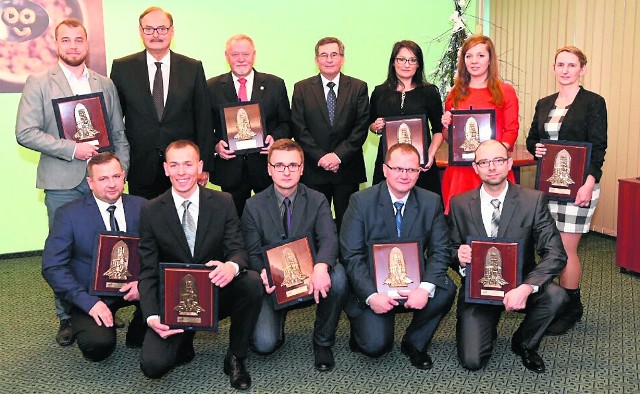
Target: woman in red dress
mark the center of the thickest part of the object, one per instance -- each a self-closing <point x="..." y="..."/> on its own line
<point x="478" y="85"/>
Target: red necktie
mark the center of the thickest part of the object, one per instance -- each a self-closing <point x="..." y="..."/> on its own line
<point x="242" y="92"/>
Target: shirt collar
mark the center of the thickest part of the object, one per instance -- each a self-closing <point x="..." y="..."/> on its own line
<point x="248" y="77"/>
<point x="335" y="80"/>
<point x="68" y="74"/>
<point x="485" y="198"/>
<point x="194" y="198"/>
<point x="166" y="59"/>
<point x="280" y="197"/>
<point x="103" y="205"/>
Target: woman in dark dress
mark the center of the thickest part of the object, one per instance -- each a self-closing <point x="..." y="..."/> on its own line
<point x="407" y="92"/>
<point x="572" y="114"/>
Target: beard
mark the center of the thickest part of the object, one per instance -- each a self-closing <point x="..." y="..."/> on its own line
<point x="73" y="62"/>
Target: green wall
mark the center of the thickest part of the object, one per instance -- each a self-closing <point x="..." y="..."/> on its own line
<point x="285" y="33"/>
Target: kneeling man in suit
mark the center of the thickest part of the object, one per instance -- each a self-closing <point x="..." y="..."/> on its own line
<point x="396" y="210"/>
<point x="213" y="239"/>
<point x="517" y="213"/>
<point x="288" y="210"/>
<point x="67" y="259"/>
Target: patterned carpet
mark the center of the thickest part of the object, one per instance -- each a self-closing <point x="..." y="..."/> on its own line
<point x="601" y="355"/>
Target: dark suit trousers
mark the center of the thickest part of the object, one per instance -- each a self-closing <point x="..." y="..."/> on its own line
<point x="250" y="180"/>
<point x="339" y="194"/>
<point x="374" y="332"/>
<point x="268" y="334"/>
<point x="240" y="300"/>
<point x="98" y="342"/>
<point x="476" y="328"/>
<point x="160" y="184"/>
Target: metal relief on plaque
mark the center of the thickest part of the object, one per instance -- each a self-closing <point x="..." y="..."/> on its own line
<point x="561" y="170"/>
<point x="293" y="275"/>
<point x="243" y="125"/>
<point x="471" y="136"/>
<point x="84" y="127"/>
<point x="397" y="270"/>
<point x="493" y="269"/>
<point x="119" y="265"/>
<point x="188" y="305"/>
<point x="404" y="134"/>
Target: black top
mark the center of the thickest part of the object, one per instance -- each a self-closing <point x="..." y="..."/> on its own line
<point x="423" y="100"/>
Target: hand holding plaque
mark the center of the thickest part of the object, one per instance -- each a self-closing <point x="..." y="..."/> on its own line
<point x="407" y="130"/>
<point x="468" y="128"/>
<point x="397" y="267"/>
<point x="116" y="263"/>
<point x="563" y="169"/>
<point x="83" y="119"/>
<point x="243" y="126"/>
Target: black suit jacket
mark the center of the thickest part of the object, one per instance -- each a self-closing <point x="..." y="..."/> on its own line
<point x="586" y="121"/>
<point x="187" y="113"/>
<point x="312" y="130"/>
<point x="310" y="216"/>
<point x="67" y="258"/>
<point x="370" y="218"/>
<point x="271" y="92"/>
<point x="525" y="216"/>
<point x="162" y="239"/>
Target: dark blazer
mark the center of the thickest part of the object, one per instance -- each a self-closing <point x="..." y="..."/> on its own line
<point x="67" y="258"/>
<point x="310" y="216"/>
<point x="162" y="239"/>
<point x="370" y="218"/>
<point x="586" y="121"/>
<point x="312" y="131"/>
<point x="271" y="92"/>
<point x="525" y="216"/>
<point x="187" y="113"/>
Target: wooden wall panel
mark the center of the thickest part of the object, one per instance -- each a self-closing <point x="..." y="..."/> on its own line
<point x="527" y="33"/>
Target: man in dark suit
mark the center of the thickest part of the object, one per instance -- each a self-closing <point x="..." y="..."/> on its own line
<point x="330" y="113"/>
<point x="164" y="98"/>
<point x="306" y="212"/>
<point x="215" y="241"/>
<point x="240" y="174"/>
<point x="67" y="259"/>
<point x="396" y="211"/>
<point x="499" y="208"/>
<point x="62" y="167"/>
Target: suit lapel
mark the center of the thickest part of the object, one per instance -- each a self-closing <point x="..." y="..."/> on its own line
<point x="343" y="92"/>
<point x="141" y="80"/>
<point x="229" y="89"/>
<point x="174" y="83"/>
<point x="300" y="206"/>
<point x="318" y="93"/>
<point x="475" y="212"/>
<point x="257" y="92"/>
<point x="93" y="210"/>
<point x="94" y="82"/>
<point x="509" y="208"/>
<point x="386" y="209"/>
<point x="170" y="215"/>
<point x="57" y="76"/>
<point x="410" y="213"/>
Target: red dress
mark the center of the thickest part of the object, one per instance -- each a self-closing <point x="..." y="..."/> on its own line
<point x="459" y="179"/>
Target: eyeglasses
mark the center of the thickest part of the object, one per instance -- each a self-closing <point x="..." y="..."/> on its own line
<point x="332" y="55"/>
<point x="162" y="30"/>
<point x="403" y="60"/>
<point x="400" y="170"/>
<point x="293" y="167"/>
<point x="498" y="162"/>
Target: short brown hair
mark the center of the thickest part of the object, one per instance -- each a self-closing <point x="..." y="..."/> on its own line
<point x="181" y="144"/>
<point x="405" y="148"/>
<point x="330" y="40"/>
<point x="286" y="145"/>
<point x="571" y="49"/>
<point x="71" y="22"/>
<point x="101" y="158"/>
<point x="154" y="8"/>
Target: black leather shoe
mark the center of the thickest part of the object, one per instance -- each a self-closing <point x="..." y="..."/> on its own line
<point x="65" y="336"/>
<point x="324" y="361"/>
<point x="420" y="360"/>
<point x="238" y="375"/>
<point x="530" y="358"/>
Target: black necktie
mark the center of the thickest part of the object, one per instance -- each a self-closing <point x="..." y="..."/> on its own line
<point x="112" y="218"/>
<point x="286" y="216"/>
<point x="158" y="91"/>
<point x="331" y="102"/>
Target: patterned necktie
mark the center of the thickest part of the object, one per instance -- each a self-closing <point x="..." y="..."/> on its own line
<point x="158" y="91"/>
<point x="112" y="218"/>
<point x="495" y="217"/>
<point x="331" y="102"/>
<point x="188" y="225"/>
<point x="286" y="217"/>
<point x="242" y="91"/>
<point x="398" y="205"/>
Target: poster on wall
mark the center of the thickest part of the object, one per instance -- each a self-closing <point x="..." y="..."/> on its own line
<point x="27" y="37"/>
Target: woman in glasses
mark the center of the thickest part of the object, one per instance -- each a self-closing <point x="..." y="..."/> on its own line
<point x="572" y="114"/>
<point x="406" y="92"/>
<point x="478" y="85"/>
